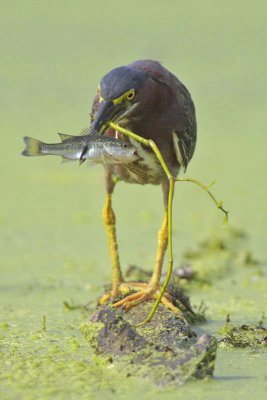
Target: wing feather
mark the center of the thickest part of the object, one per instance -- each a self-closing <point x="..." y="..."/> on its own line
<point x="183" y="147"/>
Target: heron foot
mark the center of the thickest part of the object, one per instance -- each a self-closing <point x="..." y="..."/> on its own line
<point x="138" y="293"/>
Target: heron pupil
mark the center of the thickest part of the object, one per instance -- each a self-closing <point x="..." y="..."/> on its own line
<point x="130" y="95"/>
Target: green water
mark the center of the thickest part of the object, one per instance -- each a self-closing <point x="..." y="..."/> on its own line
<point x="52" y="243"/>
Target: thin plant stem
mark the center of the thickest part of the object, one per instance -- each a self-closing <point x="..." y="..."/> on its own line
<point x="219" y="204"/>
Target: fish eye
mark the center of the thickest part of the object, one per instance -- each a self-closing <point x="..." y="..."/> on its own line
<point x="130" y="95"/>
<point x="125" y="145"/>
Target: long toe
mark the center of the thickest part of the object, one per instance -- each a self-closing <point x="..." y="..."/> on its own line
<point x="132" y="300"/>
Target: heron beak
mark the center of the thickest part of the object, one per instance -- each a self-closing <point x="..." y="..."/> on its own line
<point x="107" y="112"/>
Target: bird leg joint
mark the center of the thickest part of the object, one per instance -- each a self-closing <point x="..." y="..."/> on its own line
<point x="108" y="213"/>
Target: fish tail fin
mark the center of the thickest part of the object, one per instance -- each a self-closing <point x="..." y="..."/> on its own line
<point x="32" y="147"/>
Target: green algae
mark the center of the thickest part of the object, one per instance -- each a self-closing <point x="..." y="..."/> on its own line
<point x="91" y="332"/>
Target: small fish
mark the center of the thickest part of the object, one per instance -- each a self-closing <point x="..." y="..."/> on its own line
<point x="96" y="148"/>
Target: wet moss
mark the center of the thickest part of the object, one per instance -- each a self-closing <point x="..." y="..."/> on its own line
<point x="242" y="336"/>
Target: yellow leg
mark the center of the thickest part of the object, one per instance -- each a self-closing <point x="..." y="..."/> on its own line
<point x="152" y="289"/>
<point x="162" y="246"/>
<point x="110" y="227"/>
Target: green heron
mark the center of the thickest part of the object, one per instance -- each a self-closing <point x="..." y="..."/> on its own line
<point x="147" y="99"/>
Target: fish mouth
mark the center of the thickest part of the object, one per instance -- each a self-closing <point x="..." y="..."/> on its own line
<point x="134" y="155"/>
<point x="119" y="157"/>
<point x="107" y="112"/>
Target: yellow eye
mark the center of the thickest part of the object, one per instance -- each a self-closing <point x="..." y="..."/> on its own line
<point x="130" y="94"/>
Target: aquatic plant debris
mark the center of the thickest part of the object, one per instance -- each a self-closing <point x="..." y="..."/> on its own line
<point x="241" y="336"/>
